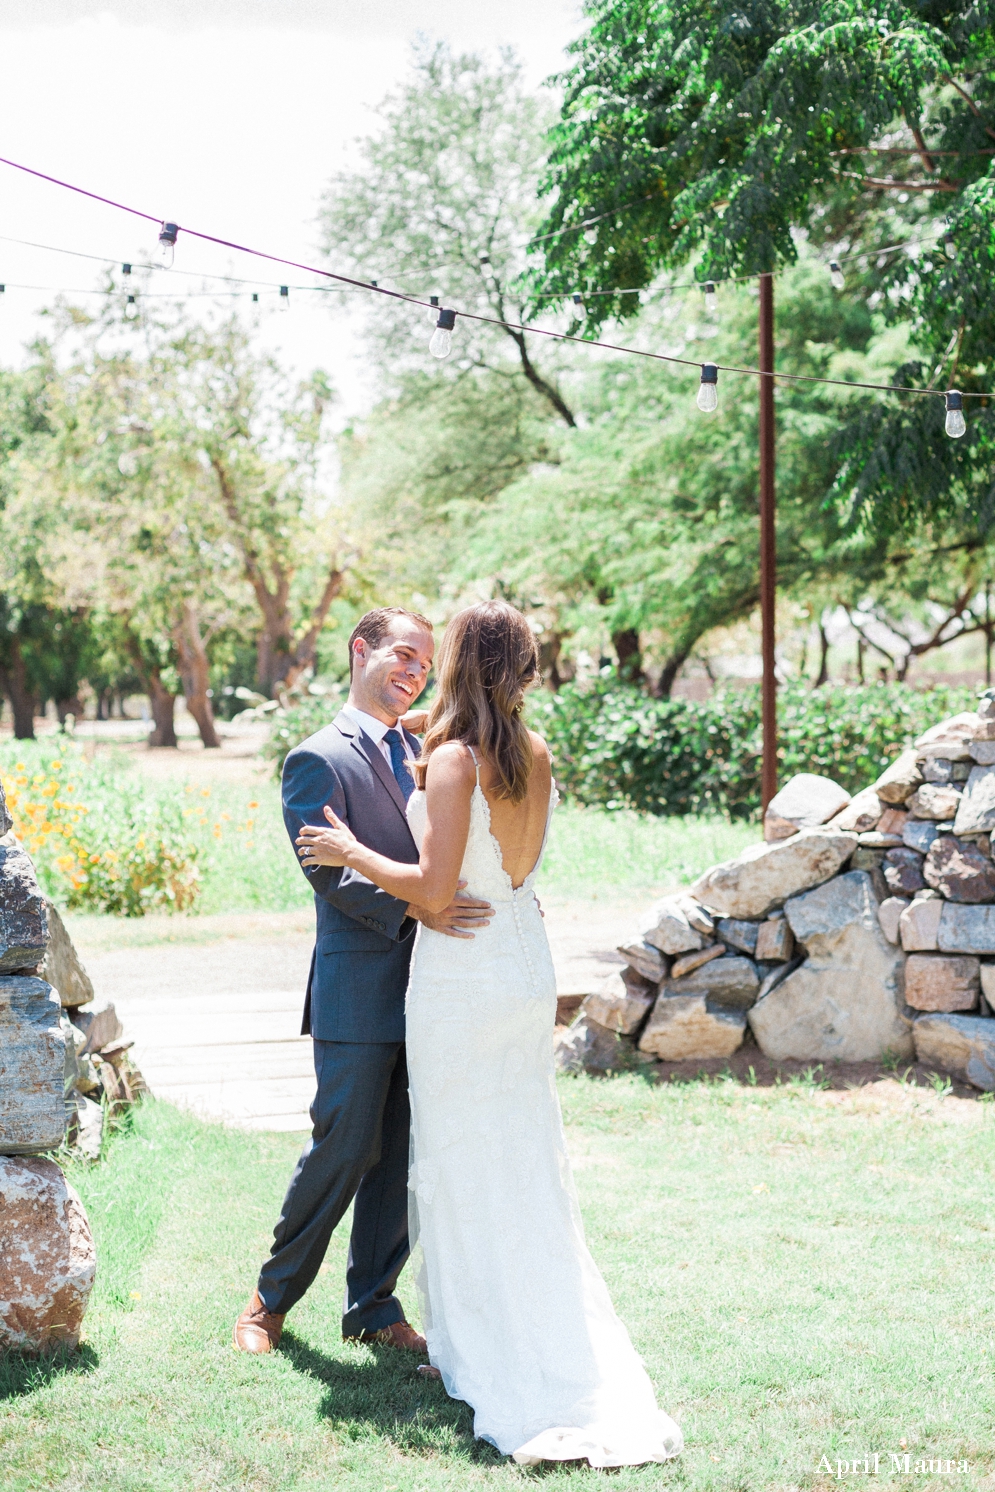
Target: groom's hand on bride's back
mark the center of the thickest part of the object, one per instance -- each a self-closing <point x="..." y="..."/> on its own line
<point x="464" y="915"/>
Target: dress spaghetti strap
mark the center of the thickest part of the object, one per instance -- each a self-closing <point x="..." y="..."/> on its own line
<point x="475" y="761"/>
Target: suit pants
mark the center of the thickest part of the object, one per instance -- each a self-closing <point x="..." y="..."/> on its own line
<point x="358" y="1149"/>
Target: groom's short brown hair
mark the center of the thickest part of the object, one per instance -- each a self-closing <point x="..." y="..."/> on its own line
<point x="374" y="626"/>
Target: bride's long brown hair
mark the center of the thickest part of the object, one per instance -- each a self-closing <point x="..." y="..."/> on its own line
<point x="488" y="659"/>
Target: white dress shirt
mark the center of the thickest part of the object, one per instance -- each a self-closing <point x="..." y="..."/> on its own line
<point x="376" y="730"/>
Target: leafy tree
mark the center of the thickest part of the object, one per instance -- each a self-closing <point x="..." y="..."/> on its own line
<point x="444" y="202"/>
<point x="726" y="134"/>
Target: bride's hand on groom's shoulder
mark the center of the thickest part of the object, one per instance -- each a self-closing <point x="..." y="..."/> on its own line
<point x="415" y="721"/>
<point x="319" y="844"/>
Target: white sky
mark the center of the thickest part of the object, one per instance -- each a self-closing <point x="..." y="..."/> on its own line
<point x="227" y="115"/>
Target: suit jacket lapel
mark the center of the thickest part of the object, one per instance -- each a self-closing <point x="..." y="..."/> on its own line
<point x="371" y="753"/>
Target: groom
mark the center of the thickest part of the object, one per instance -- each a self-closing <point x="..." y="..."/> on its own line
<point x="354" y="1009"/>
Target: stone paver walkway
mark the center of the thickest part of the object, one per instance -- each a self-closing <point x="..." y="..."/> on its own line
<point x="216" y="1023"/>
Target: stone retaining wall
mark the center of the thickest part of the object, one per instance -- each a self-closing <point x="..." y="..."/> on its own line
<point x="861" y="928"/>
<point x="64" y="1069"/>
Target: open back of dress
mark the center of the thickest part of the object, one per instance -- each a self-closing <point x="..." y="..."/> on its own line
<point x="517" y="1316"/>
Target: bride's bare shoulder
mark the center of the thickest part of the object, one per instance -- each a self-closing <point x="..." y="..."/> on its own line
<point x="451" y="763"/>
<point x="542" y="751"/>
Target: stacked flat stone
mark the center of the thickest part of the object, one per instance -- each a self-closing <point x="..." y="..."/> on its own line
<point x="56" y="1057"/>
<point x="861" y="927"/>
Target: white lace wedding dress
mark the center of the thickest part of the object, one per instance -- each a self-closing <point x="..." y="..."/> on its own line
<point x="517" y="1316"/>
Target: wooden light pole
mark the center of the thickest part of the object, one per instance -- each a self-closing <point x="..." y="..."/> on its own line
<point x="768" y="540"/>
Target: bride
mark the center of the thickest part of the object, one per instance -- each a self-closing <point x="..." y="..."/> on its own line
<point x="518" y="1320"/>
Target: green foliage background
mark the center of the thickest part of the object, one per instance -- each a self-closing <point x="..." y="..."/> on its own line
<point x="614" y="745"/>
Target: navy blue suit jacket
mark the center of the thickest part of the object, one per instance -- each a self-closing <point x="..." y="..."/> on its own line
<point x="363" y="939"/>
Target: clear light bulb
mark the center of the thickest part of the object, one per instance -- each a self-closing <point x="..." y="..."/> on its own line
<point x="131" y="308"/>
<point x="949" y="247"/>
<point x="708" y="391"/>
<point x="441" y="344"/>
<point x="711" y="299"/>
<point x="836" y="275"/>
<point x="591" y="235"/>
<point x="163" y="256"/>
<point x="433" y="314"/>
<point x="283" y="299"/>
<point x="955" y="424"/>
<point x="255" y="296"/>
<point x="580" y="310"/>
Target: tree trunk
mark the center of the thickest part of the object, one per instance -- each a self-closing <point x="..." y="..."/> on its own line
<point x="280" y="660"/>
<point x="195" y="673"/>
<point x="549" y="660"/>
<point x="629" y="655"/>
<point x="823" y="658"/>
<point x="65" y="707"/>
<point x="669" y="673"/>
<point x="163" y="732"/>
<point x="14" y="683"/>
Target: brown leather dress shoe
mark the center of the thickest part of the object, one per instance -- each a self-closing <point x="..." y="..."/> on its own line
<point x="398" y="1334"/>
<point x="257" y="1330"/>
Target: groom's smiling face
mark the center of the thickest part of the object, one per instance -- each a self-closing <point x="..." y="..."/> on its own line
<point x="388" y="679"/>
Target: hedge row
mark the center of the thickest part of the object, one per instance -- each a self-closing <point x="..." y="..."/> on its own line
<point x="616" y="747"/>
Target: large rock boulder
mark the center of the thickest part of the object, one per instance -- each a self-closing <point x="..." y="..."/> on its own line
<point x="958" y="870"/>
<point x="62" y="967"/>
<point x="963" y="1045"/>
<point x="47" y="1263"/>
<point x="684" y="1026"/>
<point x="730" y="982"/>
<point x="920" y="834"/>
<point x="934" y="801"/>
<point x="861" y="814"/>
<point x="899" y="781"/>
<point x="846" y="1001"/>
<point x="952" y="738"/>
<point x="644" y="958"/>
<point x="23" y="916"/>
<point x="942" y="981"/>
<point x="33" y="1061"/>
<point x="675" y="925"/>
<point x="965" y="929"/>
<point x="902" y="871"/>
<point x="919" y="924"/>
<point x="736" y="932"/>
<point x="621" y="1004"/>
<point x="586" y="1046"/>
<point x="805" y="801"/>
<point x="976" y="805"/>
<point x="765" y="875"/>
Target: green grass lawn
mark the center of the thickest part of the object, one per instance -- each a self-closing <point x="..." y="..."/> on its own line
<point x="806" y="1275"/>
<point x="590" y="850"/>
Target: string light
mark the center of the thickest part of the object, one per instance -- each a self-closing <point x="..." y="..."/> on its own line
<point x="836" y="275"/>
<point x="949" y="246"/>
<point x="580" y="310"/>
<point x="711" y="299"/>
<point x="126" y="270"/>
<point x="163" y="256"/>
<point x="283" y="302"/>
<point x="591" y="236"/>
<point x="441" y="344"/>
<point x="433" y="314"/>
<point x="955" y="425"/>
<point x="131" y="308"/>
<point x="346" y="281"/>
<point x="255" y="296"/>
<point x="708" y="389"/>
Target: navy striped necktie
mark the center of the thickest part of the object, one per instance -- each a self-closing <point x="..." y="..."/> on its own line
<point x="399" y="763"/>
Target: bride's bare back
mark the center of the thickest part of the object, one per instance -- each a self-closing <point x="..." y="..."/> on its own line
<point x="519" y="828"/>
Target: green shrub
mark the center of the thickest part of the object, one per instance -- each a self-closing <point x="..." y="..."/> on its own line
<point x="101" y="841"/>
<point x="293" y="725"/>
<point x="616" y="746"/>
